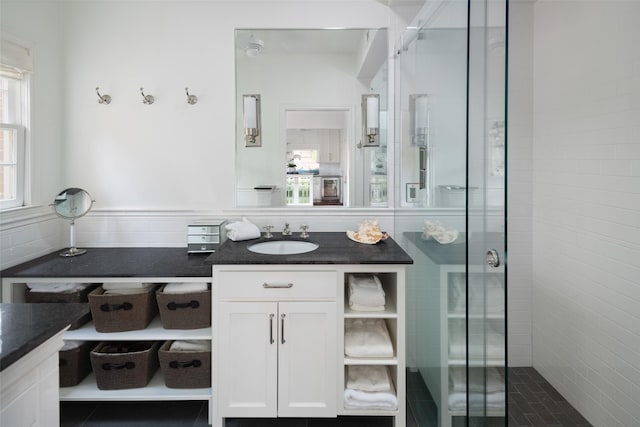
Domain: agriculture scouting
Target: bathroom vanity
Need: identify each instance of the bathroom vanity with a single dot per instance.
(281, 327)
(31, 336)
(278, 321)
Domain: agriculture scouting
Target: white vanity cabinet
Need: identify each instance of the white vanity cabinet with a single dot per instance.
(277, 337)
(279, 331)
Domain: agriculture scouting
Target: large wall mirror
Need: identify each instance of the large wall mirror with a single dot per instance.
(301, 140)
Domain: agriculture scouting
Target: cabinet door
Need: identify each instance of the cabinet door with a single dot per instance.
(248, 352)
(307, 359)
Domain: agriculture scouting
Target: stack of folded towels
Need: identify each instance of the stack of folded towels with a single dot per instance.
(190, 345)
(369, 387)
(489, 392)
(366, 293)
(242, 230)
(127, 288)
(62, 288)
(184, 288)
(367, 338)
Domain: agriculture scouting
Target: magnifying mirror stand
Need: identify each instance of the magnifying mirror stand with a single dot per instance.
(72, 251)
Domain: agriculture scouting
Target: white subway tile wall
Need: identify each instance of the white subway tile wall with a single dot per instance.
(586, 215)
(23, 242)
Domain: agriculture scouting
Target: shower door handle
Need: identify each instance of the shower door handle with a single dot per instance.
(493, 258)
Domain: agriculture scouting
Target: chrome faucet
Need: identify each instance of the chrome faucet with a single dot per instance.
(304, 233)
(286, 231)
(267, 233)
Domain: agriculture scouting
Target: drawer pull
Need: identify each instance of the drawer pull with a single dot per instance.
(277, 285)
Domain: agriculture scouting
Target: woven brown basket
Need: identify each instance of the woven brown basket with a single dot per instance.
(62, 297)
(127, 312)
(120, 365)
(185, 369)
(184, 311)
(75, 364)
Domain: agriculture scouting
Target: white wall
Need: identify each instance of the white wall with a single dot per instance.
(519, 184)
(36, 231)
(586, 188)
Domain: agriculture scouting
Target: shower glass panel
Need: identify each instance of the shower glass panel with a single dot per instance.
(450, 115)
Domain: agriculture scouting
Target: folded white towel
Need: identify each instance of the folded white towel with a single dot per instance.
(127, 291)
(494, 381)
(126, 285)
(494, 348)
(368, 378)
(495, 401)
(365, 289)
(190, 345)
(358, 307)
(358, 399)
(367, 338)
(71, 344)
(183, 288)
(242, 230)
(57, 287)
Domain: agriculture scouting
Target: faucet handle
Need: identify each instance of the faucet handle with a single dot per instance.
(267, 229)
(304, 233)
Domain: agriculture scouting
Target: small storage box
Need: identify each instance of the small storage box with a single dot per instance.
(80, 296)
(185, 369)
(75, 364)
(122, 312)
(190, 310)
(120, 365)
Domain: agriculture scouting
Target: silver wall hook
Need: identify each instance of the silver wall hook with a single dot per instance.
(191, 99)
(147, 99)
(103, 99)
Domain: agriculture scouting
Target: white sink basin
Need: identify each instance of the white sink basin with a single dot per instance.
(282, 247)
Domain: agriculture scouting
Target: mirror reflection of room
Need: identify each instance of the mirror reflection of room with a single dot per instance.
(311, 84)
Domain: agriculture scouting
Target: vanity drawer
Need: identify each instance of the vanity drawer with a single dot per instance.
(277, 284)
(204, 238)
(204, 229)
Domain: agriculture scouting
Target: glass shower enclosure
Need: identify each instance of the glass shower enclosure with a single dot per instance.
(451, 114)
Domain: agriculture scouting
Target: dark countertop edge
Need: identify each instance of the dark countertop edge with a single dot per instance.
(75, 311)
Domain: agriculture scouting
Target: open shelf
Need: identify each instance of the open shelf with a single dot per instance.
(390, 312)
(153, 332)
(371, 361)
(87, 390)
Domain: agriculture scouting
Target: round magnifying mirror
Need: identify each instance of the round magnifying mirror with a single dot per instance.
(70, 204)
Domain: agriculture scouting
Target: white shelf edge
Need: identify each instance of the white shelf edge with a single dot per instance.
(371, 361)
(153, 332)
(369, 412)
(87, 390)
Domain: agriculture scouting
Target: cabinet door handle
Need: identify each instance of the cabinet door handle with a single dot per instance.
(271, 328)
(277, 285)
(282, 340)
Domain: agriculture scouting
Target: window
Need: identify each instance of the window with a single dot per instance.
(14, 85)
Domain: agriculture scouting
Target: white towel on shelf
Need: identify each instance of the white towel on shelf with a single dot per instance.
(126, 285)
(71, 344)
(57, 287)
(367, 338)
(124, 291)
(365, 290)
(184, 288)
(458, 400)
(494, 381)
(368, 378)
(358, 307)
(242, 230)
(190, 345)
(358, 399)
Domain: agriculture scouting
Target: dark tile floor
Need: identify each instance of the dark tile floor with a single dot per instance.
(533, 402)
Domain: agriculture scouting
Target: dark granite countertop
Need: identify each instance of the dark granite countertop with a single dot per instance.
(455, 253)
(25, 326)
(334, 248)
(116, 262)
